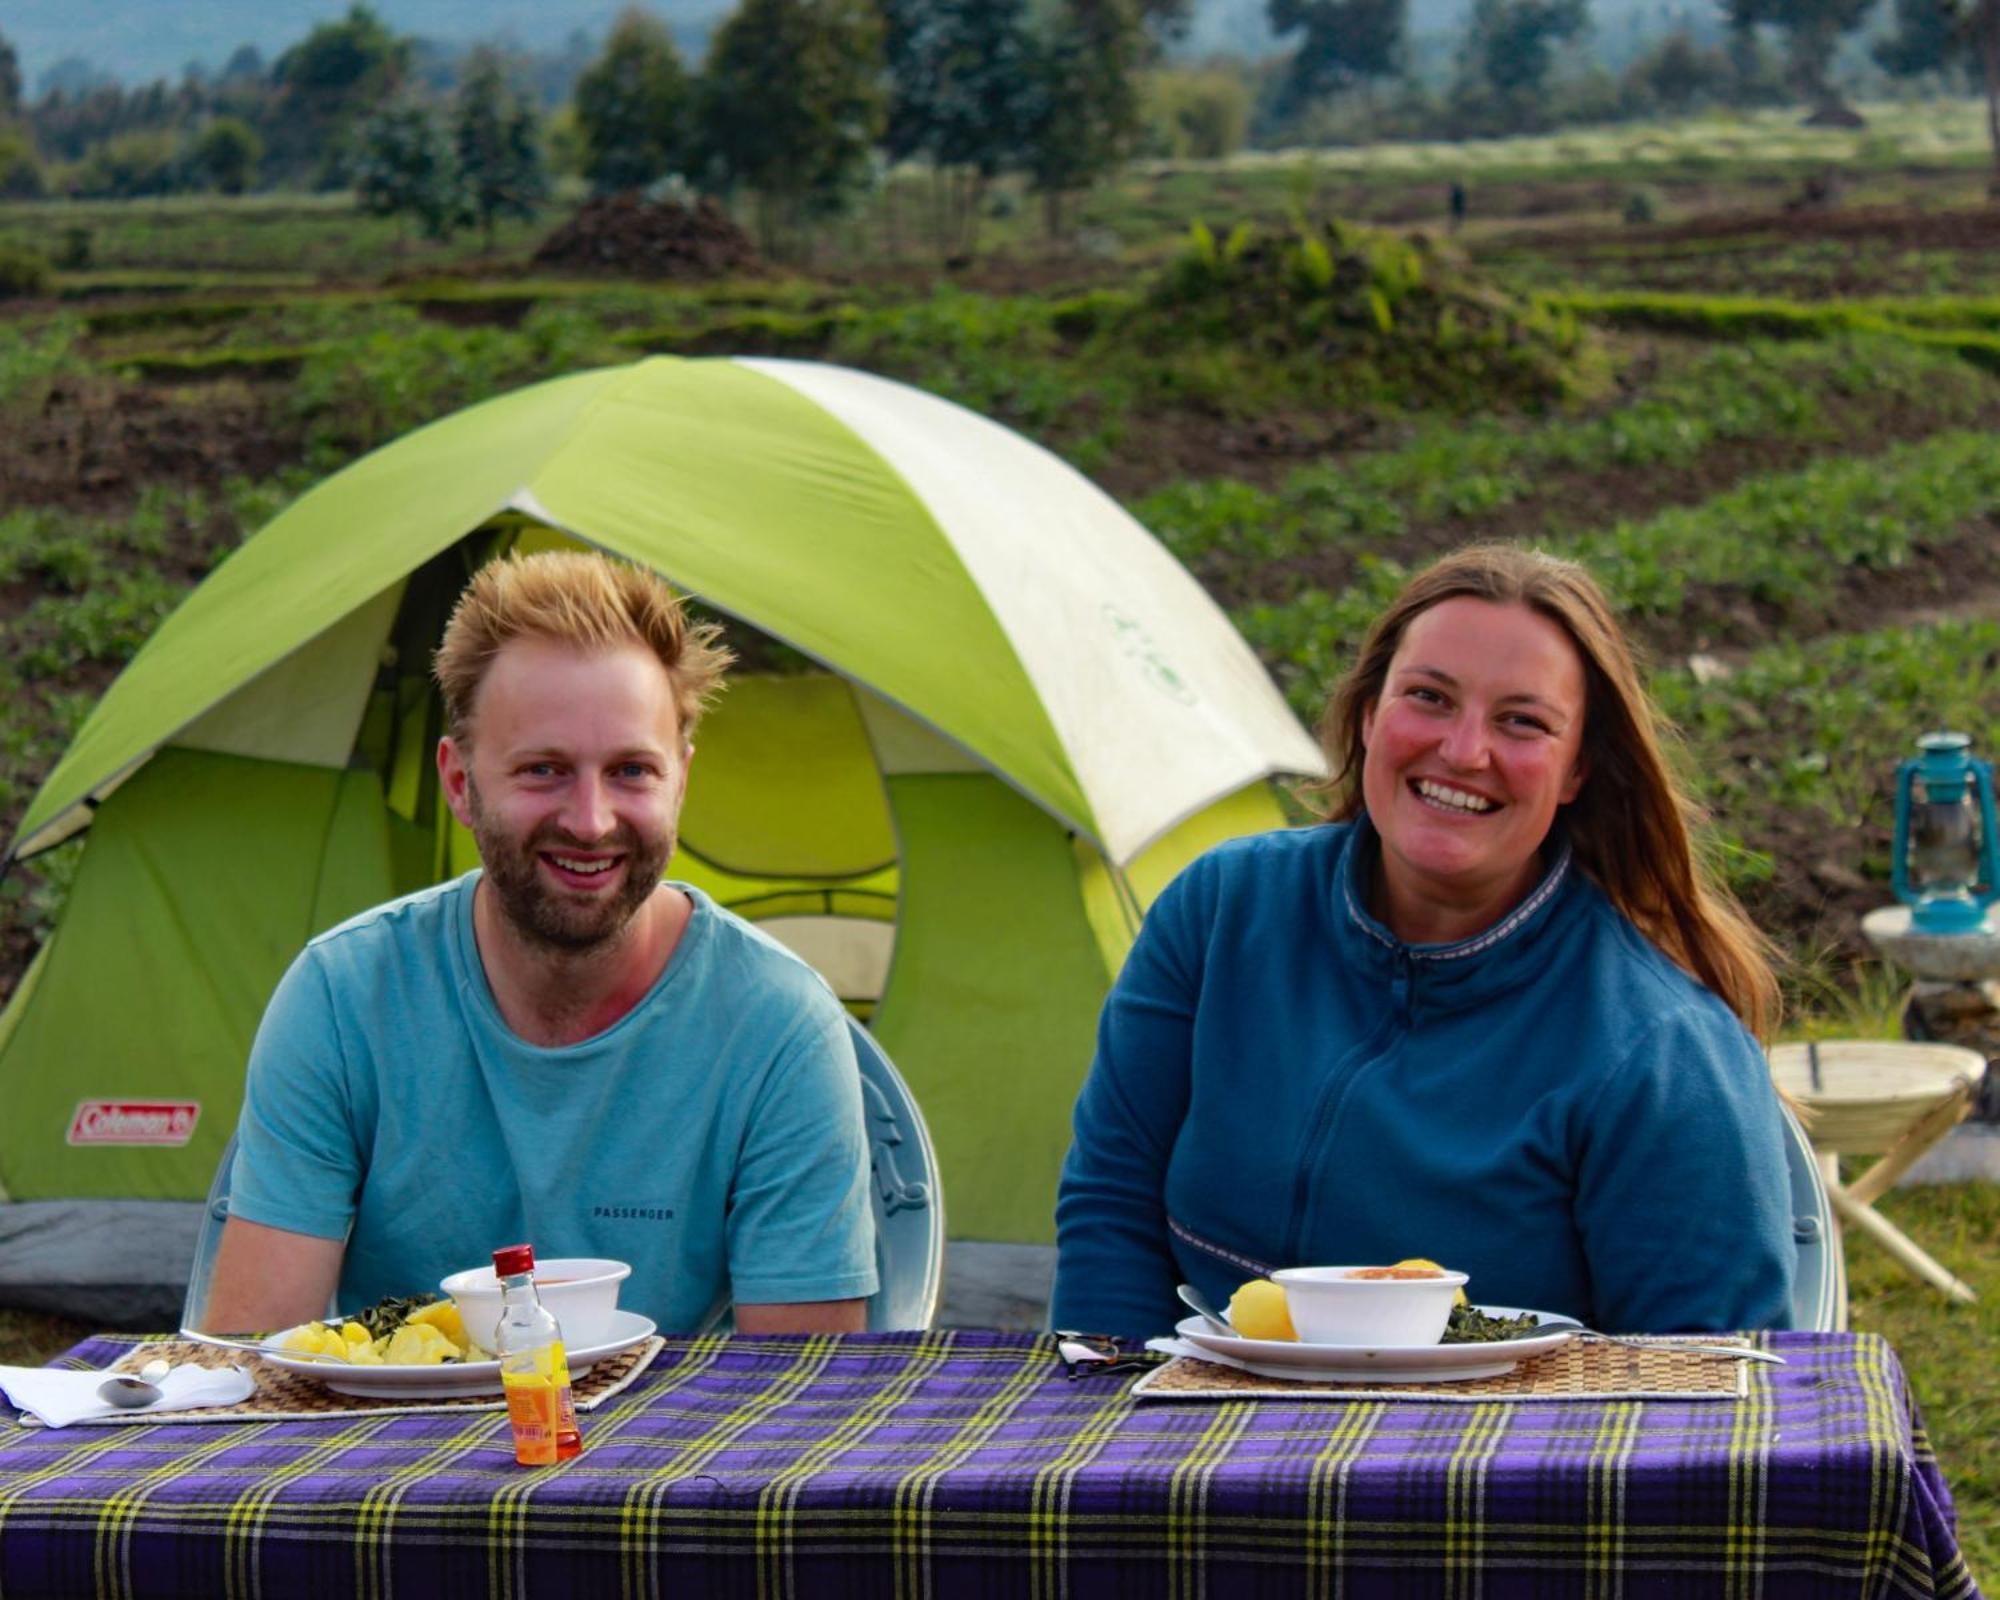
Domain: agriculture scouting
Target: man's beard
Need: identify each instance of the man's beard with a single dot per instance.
(543, 915)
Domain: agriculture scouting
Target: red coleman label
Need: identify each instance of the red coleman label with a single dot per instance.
(134, 1121)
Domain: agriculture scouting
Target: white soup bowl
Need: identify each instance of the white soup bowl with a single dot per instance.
(1331, 1305)
(581, 1292)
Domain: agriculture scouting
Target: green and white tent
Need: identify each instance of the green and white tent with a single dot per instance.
(1023, 717)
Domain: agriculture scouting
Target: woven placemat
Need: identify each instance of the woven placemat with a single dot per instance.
(1576, 1371)
(291, 1396)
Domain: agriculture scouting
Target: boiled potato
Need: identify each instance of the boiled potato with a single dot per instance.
(314, 1339)
(1258, 1311)
(443, 1316)
(1432, 1266)
(418, 1344)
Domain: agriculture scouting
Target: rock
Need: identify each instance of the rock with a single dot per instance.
(1838, 879)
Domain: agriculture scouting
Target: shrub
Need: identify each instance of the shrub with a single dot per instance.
(131, 165)
(21, 176)
(1642, 205)
(23, 271)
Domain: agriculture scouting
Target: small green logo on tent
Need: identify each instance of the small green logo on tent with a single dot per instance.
(1138, 645)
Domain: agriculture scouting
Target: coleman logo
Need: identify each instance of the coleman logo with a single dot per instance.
(134, 1121)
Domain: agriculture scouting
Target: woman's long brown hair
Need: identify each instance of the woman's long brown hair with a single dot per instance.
(1631, 825)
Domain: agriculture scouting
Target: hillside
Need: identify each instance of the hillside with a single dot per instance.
(138, 40)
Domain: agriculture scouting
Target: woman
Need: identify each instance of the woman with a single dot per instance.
(1493, 1014)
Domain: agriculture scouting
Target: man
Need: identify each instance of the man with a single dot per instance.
(558, 1047)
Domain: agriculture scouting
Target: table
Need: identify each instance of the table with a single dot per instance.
(953, 1464)
(1886, 1098)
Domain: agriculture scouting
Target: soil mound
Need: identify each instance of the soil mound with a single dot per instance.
(1405, 317)
(657, 239)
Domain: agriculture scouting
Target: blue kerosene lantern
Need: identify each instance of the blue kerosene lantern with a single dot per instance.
(1945, 868)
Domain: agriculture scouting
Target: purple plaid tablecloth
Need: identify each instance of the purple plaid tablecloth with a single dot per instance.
(963, 1464)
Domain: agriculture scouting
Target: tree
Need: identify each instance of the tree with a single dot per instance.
(791, 104)
(1344, 42)
(328, 84)
(245, 65)
(1938, 35)
(1928, 38)
(960, 98)
(10, 82)
(1676, 74)
(1812, 30)
(1982, 27)
(405, 166)
(497, 140)
(632, 105)
(1197, 113)
(21, 175)
(1086, 114)
(228, 151)
(1514, 42)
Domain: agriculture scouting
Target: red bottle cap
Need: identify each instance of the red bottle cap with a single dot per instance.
(514, 1259)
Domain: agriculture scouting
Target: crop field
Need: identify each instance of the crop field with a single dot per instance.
(1766, 420)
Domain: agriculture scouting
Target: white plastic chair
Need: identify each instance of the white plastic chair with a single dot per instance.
(1819, 1285)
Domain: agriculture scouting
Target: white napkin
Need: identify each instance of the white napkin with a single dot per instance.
(58, 1397)
(1182, 1347)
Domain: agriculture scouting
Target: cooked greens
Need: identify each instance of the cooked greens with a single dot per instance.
(1470, 1325)
(388, 1314)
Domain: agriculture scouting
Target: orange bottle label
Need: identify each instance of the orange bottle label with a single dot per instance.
(542, 1410)
(534, 1407)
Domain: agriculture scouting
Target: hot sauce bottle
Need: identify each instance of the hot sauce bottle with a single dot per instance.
(533, 1370)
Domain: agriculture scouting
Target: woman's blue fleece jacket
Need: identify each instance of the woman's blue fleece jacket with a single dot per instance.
(1552, 1106)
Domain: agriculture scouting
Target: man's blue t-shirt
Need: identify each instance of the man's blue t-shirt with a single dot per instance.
(712, 1136)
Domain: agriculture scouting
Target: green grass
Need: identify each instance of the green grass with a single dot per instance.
(1758, 390)
(1936, 132)
(213, 238)
(1784, 541)
(1947, 1349)
(29, 1338)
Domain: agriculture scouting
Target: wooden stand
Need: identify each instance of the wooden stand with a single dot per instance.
(1869, 1097)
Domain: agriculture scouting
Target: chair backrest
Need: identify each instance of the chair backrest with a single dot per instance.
(907, 1198)
(1819, 1287)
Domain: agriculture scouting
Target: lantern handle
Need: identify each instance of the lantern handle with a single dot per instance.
(1989, 846)
(1899, 872)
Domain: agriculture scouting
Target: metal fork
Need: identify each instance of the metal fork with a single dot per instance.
(1666, 1342)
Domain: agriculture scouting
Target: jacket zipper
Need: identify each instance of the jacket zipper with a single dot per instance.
(1340, 1083)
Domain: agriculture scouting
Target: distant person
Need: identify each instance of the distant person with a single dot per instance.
(1493, 1014)
(1457, 205)
(558, 1046)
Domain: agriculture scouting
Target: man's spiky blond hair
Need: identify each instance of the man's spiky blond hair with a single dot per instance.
(582, 599)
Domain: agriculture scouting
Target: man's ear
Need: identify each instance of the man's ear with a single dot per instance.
(454, 776)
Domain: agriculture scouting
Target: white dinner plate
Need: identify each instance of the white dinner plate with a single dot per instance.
(452, 1379)
(1402, 1363)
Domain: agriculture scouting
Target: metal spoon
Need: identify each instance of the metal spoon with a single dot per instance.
(1195, 1300)
(123, 1389)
